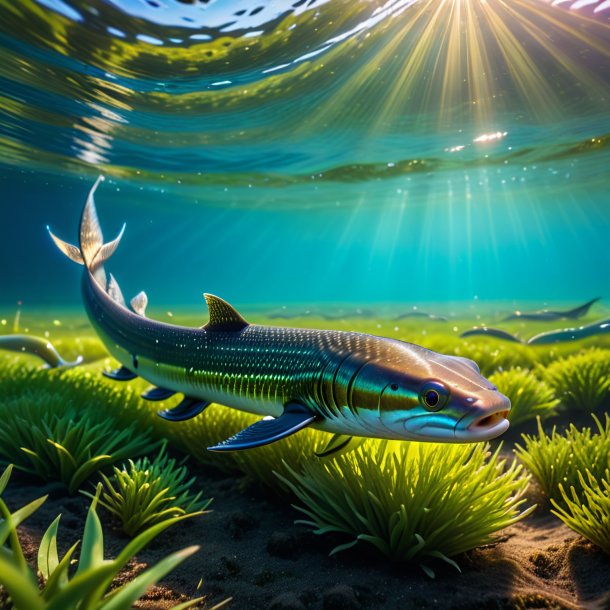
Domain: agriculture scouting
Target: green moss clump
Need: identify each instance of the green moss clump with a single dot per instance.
(69, 446)
(264, 463)
(558, 458)
(145, 492)
(412, 501)
(581, 381)
(587, 509)
(66, 425)
(529, 396)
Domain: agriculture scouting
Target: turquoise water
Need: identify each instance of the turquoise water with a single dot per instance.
(405, 153)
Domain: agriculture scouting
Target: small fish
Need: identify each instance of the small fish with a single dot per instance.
(547, 315)
(346, 383)
(564, 335)
(491, 332)
(36, 346)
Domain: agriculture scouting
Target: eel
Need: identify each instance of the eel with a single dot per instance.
(346, 383)
(491, 332)
(563, 335)
(547, 315)
(36, 346)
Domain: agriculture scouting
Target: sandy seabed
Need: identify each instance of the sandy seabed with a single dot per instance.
(252, 552)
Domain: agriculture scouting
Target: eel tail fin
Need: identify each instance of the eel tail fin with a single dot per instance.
(92, 251)
(582, 310)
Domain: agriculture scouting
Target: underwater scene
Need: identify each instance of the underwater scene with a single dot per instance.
(304, 304)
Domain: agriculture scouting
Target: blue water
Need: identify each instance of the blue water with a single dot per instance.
(399, 152)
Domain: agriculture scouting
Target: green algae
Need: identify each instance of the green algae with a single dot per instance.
(65, 588)
(144, 492)
(558, 459)
(412, 501)
(586, 508)
(529, 396)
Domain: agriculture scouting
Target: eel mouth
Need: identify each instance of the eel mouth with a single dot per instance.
(489, 425)
(489, 421)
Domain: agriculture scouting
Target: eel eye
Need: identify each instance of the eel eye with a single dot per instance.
(433, 396)
(394, 387)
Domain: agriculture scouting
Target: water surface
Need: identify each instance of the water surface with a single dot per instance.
(400, 152)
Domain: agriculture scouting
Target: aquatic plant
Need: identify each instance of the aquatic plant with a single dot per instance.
(581, 381)
(63, 425)
(67, 446)
(263, 464)
(412, 501)
(145, 492)
(529, 396)
(88, 586)
(587, 510)
(558, 458)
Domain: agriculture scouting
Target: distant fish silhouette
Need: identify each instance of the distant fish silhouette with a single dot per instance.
(491, 332)
(36, 346)
(572, 334)
(421, 314)
(550, 316)
(561, 335)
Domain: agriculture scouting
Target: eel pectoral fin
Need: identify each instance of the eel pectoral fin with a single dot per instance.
(187, 409)
(155, 394)
(120, 374)
(294, 418)
(223, 317)
(340, 443)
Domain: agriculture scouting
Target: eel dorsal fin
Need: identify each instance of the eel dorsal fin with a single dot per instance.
(223, 317)
(114, 291)
(139, 303)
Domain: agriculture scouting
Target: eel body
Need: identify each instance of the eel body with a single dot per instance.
(36, 346)
(350, 384)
